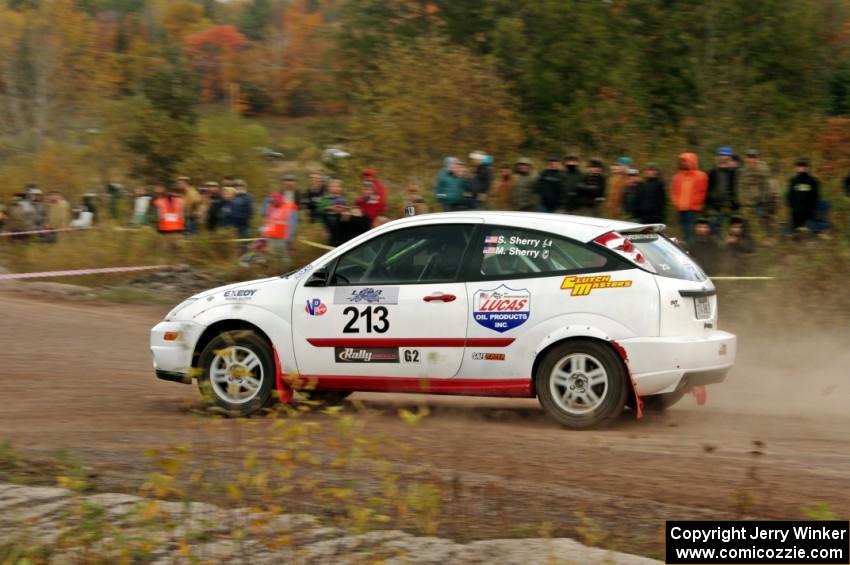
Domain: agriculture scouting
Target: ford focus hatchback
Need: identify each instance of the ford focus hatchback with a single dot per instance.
(588, 315)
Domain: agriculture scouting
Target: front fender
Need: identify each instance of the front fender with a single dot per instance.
(274, 326)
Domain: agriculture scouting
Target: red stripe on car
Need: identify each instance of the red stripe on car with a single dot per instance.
(412, 342)
(515, 387)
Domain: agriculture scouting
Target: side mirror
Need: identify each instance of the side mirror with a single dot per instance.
(318, 278)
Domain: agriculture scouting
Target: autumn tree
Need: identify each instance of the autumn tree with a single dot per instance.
(427, 100)
(214, 55)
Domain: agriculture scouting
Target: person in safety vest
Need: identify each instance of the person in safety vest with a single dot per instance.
(280, 224)
(170, 213)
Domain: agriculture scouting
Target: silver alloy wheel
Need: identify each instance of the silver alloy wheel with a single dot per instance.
(236, 374)
(578, 383)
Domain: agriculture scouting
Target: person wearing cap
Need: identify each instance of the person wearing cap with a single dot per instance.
(613, 201)
(590, 192)
(572, 178)
(550, 185)
(688, 193)
(481, 179)
(756, 187)
(629, 196)
(523, 198)
(243, 209)
(803, 196)
(722, 196)
(651, 201)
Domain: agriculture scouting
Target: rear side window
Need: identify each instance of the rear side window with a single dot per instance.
(515, 253)
(666, 257)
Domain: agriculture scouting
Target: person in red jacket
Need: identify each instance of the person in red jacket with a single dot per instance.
(369, 203)
(688, 193)
(378, 188)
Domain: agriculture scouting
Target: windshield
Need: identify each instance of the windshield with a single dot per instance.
(667, 258)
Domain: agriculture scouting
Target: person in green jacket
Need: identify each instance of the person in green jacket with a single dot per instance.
(450, 185)
(523, 197)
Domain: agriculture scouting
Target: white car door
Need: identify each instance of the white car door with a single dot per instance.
(392, 307)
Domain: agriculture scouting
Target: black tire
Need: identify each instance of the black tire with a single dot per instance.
(597, 355)
(329, 397)
(661, 402)
(242, 341)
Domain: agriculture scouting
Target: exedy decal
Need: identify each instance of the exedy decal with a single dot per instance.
(581, 286)
(502, 308)
(239, 294)
(366, 354)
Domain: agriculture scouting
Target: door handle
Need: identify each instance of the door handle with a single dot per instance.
(440, 297)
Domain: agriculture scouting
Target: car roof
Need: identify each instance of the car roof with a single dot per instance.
(581, 228)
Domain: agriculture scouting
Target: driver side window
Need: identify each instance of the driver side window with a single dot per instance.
(423, 254)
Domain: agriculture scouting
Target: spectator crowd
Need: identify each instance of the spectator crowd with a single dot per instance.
(715, 210)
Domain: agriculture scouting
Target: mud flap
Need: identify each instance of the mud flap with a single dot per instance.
(625, 357)
(284, 392)
(700, 393)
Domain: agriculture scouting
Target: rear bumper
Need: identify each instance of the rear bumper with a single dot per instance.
(664, 364)
(172, 360)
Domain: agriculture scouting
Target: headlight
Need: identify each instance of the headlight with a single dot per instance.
(179, 307)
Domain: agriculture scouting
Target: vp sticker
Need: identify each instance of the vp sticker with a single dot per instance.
(315, 307)
(366, 295)
(502, 309)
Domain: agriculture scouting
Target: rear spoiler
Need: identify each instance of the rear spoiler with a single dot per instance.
(645, 228)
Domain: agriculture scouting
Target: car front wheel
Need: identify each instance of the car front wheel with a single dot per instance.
(582, 384)
(237, 372)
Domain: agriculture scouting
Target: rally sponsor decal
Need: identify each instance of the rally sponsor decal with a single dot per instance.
(366, 295)
(244, 294)
(502, 309)
(315, 307)
(581, 286)
(366, 354)
(298, 275)
(481, 356)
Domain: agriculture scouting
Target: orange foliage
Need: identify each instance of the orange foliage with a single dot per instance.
(215, 54)
(834, 147)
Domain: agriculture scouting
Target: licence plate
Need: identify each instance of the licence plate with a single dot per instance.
(702, 305)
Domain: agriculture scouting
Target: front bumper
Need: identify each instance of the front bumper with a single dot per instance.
(172, 360)
(663, 364)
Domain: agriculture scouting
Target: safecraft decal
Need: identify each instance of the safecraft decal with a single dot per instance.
(244, 294)
(581, 286)
(502, 309)
(366, 295)
(315, 307)
(477, 356)
(366, 354)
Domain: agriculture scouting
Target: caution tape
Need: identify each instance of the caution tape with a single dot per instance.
(742, 278)
(315, 244)
(79, 272)
(30, 232)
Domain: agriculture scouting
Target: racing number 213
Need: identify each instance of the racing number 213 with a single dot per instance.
(381, 322)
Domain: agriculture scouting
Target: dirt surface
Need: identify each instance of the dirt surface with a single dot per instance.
(771, 442)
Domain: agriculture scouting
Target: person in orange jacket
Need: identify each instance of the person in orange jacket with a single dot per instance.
(170, 213)
(280, 224)
(688, 193)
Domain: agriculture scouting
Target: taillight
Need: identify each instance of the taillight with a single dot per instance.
(624, 248)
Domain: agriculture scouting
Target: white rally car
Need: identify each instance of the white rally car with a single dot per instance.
(586, 314)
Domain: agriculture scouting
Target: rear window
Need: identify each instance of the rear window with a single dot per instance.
(666, 257)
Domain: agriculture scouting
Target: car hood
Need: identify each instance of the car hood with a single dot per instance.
(235, 286)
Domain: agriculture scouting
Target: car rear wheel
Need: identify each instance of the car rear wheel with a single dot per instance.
(582, 384)
(237, 372)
